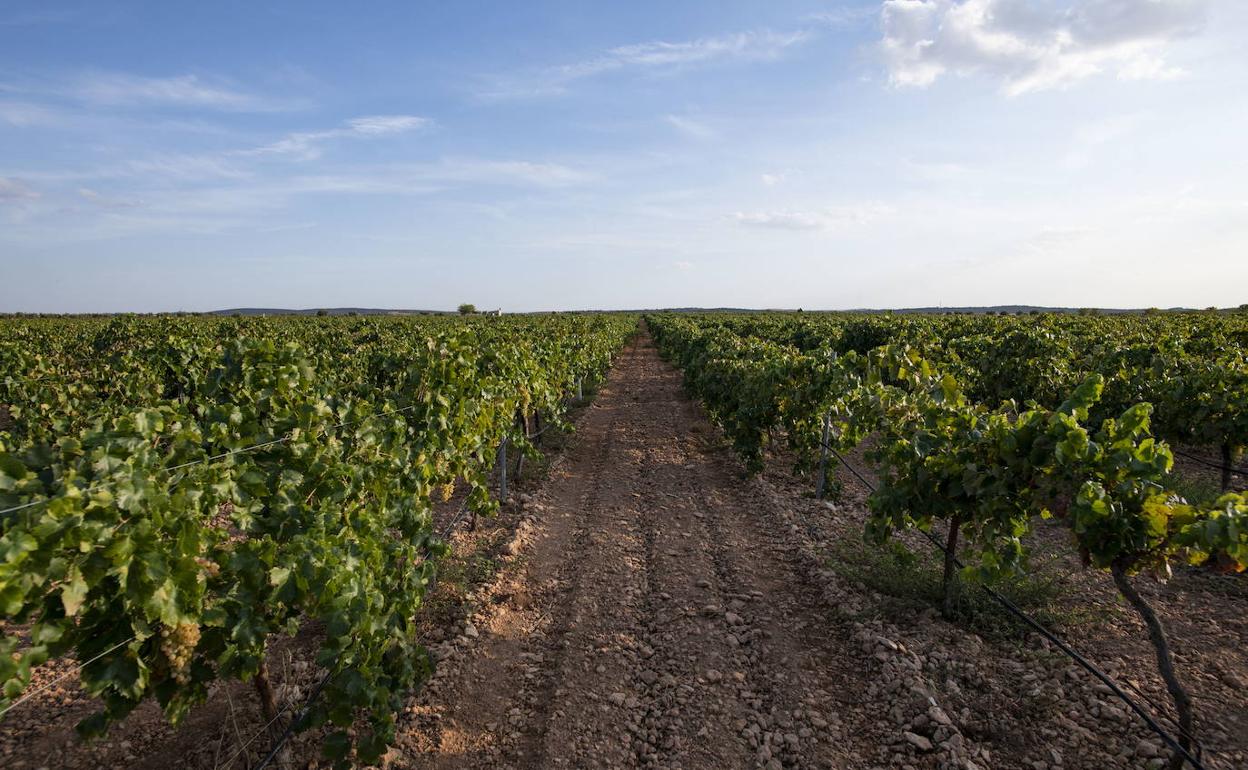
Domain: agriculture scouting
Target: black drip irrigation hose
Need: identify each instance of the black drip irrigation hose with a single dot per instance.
(1039, 628)
(1217, 466)
(294, 723)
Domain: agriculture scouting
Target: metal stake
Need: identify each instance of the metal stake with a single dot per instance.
(502, 470)
(823, 456)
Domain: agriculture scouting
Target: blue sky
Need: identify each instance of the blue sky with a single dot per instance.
(562, 155)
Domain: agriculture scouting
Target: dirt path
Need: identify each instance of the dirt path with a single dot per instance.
(655, 618)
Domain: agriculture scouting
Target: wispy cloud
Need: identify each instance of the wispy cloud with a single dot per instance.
(306, 144)
(1090, 139)
(206, 195)
(510, 172)
(1030, 46)
(13, 190)
(423, 178)
(844, 16)
(829, 218)
(26, 114)
(654, 56)
(97, 198)
(180, 167)
(1054, 239)
(123, 89)
(690, 127)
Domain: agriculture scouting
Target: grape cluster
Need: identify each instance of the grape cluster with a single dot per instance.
(447, 490)
(210, 567)
(178, 644)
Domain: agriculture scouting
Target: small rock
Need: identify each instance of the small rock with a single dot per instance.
(918, 741)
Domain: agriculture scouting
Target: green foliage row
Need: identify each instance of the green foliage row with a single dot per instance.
(1191, 367)
(202, 484)
(943, 455)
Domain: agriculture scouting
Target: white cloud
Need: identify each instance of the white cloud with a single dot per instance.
(306, 144)
(25, 114)
(753, 45)
(771, 180)
(1089, 139)
(183, 167)
(1055, 240)
(683, 265)
(13, 190)
(105, 201)
(818, 219)
(208, 198)
(379, 125)
(781, 220)
(843, 16)
(509, 172)
(119, 89)
(426, 178)
(690, 127)
(1031, 46)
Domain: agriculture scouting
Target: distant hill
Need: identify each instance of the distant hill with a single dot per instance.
(328, 311)
(993, 309)
(985, 309)
(997, 309)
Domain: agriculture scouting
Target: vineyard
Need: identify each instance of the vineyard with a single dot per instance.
(178, 495)
(986, 425)
(174, 492)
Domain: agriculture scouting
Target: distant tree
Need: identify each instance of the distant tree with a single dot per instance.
(1089, 311)
(467, 308)
(322, 311)
(1243, 308)
(1153, 311)
(353, 313)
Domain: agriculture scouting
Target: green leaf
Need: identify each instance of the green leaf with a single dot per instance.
(74, 592)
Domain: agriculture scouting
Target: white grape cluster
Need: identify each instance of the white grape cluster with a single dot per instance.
(178, 644)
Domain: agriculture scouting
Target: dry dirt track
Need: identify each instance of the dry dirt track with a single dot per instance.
(658, 616)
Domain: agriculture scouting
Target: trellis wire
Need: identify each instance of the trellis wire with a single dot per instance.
(1037, 626)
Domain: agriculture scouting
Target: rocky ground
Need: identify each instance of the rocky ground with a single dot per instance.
(646, 605)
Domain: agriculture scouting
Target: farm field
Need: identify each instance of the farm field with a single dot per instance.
(662, 588)
(807, 385)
